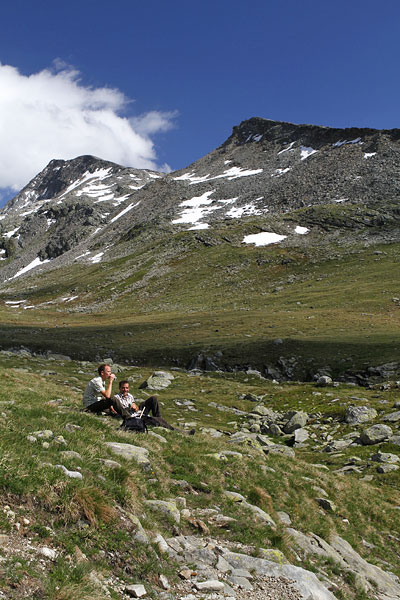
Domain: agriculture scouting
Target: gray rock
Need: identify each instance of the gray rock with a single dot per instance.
(70, 474)
(110, 464)
(279, 449)
(337, 445)
(284, 517)
(240, 582)
(385, 457)
(387, 468)
(301, 435)
(159, 380)
(165, 507)
(140, 535)
(48, 552)
(298, 420)
(375, 434)
(359, 414)
(395, 439)
(212, 585)
(158, 437)
(71, 454)
(45, 434)
(261, 410)
(324, 380)
(130, 452)
(136, 591)
(304, 582)
(392, 417)
(273, 430)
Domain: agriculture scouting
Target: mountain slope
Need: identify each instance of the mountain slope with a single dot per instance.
(284, 232)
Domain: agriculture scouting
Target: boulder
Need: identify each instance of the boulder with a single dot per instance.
(375, 434)
(298, 420)
(385, 457)
(359, 414)
(324, 381)
(392, 417)
(130, 452)
(159, 380)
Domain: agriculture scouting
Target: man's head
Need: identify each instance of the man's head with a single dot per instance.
(104, 371)
(124, 387)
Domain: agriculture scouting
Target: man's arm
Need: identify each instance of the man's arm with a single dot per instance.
(134, 406)
(107, 392)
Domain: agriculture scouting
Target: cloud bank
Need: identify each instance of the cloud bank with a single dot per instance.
(51, 114)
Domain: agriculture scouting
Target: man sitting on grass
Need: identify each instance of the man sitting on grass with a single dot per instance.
(125, 405)
(97, 395)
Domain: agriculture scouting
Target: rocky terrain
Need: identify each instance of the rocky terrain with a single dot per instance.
(287, 492)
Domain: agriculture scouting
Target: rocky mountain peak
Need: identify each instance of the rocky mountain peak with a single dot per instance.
(256, 129)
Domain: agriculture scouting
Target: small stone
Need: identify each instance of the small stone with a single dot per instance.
(211, 585)
(47, 552)
(136, 591)
(185, 574)
(164, 582)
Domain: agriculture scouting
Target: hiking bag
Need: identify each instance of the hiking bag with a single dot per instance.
(137, 424)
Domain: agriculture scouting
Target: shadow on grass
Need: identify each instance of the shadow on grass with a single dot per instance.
(165, 343)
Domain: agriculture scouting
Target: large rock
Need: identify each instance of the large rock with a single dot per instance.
(392, 417)
(305, 583)
(375, 434)
(159, 380)
(298, 420)
(130, 452)
(385, 457)
(359, 414)
(372, 578)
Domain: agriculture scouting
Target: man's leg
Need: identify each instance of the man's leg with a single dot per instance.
(151, 405)
(121, 410)
(99, 406)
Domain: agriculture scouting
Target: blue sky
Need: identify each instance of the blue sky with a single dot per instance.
(186, 73)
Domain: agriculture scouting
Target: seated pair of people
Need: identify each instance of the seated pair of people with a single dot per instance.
(98, 397)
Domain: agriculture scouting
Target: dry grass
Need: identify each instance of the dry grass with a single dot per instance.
(91, 503)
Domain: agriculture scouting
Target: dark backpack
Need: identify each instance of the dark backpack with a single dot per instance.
(136, 424)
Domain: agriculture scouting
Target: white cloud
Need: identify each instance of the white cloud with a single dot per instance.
(153, 122)
(51, 114)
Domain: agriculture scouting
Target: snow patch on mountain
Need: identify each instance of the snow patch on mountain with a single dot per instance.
(123, 212)
(344, 142)
(306, 151)
(301, 230)
(230, 174)
(35, 263)
(94, 189)
(246, 210)
(263, 239)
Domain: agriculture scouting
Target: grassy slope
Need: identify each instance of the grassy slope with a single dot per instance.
(163, 304)
(68, 514)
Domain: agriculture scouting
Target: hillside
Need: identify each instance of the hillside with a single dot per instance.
(287, 491)
(276, 251)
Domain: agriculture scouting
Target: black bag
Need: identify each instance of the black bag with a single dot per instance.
(137, 424)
